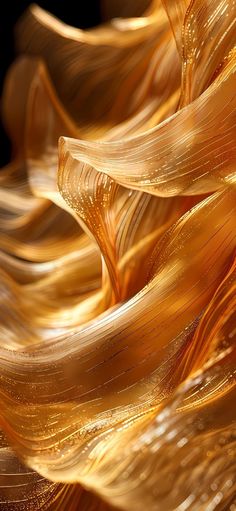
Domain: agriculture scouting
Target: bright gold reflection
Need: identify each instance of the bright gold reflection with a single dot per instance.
(118, 262)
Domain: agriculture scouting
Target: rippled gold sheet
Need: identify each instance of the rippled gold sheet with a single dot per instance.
(117, 262)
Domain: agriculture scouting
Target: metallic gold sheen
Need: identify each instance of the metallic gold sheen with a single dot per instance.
(118, 261)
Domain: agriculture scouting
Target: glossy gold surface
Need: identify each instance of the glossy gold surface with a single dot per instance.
(117, 262)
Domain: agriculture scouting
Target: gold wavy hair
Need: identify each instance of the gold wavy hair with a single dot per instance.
(117, 262)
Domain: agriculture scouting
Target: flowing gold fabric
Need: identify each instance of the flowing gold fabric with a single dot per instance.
(118, 262)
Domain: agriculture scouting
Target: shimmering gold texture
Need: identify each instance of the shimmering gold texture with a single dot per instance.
(118, 262)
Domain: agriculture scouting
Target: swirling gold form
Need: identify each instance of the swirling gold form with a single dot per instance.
(117, 265)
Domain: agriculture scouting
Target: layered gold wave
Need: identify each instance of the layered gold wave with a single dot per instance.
(118, 262)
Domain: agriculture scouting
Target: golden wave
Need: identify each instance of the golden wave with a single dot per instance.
(117, 262)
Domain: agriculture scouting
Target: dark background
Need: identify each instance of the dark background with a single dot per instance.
(80, 13)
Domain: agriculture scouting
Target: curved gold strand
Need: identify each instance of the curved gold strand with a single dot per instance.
(21, 487)
(183, 155)
(156, 460)
(176, 11)
(96, 57)
(213, 22)
(86, 372)
(90, 392)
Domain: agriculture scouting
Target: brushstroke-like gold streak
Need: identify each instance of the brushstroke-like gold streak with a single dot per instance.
(118, 262)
